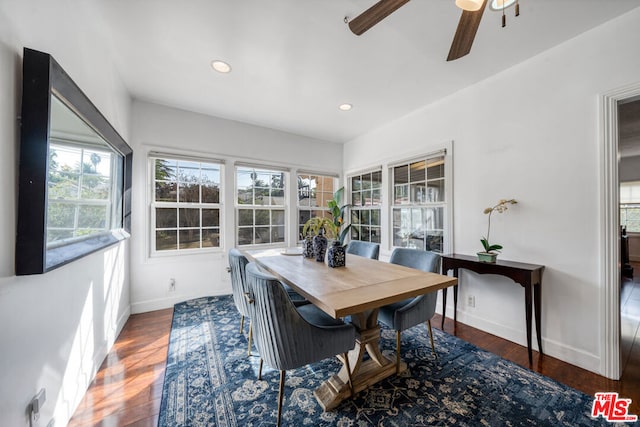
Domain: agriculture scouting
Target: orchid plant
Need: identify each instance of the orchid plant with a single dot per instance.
(503, 205)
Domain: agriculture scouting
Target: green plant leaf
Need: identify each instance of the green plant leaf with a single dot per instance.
(489, 248)
(315, 224)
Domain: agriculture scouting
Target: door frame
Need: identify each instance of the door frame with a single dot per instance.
(610, 362)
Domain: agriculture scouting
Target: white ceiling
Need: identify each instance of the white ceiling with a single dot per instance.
(295, 61)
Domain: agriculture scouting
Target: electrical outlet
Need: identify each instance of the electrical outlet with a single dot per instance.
(36, 404)
(172, 285)
(471, 301)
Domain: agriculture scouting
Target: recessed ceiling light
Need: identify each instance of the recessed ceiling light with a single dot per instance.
(220, 66)
(500, 4)
(345, 107)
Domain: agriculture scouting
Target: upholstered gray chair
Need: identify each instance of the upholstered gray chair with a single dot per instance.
(411, 311)
(364, 249)
(237, 265)
(289, 337)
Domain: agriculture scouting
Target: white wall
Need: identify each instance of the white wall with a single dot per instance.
(529, 133)
(57, 327)
(629, 169)
(159, 128)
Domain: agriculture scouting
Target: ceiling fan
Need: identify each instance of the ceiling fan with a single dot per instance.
(465, 33)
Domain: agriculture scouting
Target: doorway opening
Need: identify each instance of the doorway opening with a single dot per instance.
(629, 199)
(611, 357)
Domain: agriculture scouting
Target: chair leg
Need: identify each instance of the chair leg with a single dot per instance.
(433, 347)
(241, 323)
(346, 363)
(280, 395)
(250, 335)
(398, 334)
(260, 370)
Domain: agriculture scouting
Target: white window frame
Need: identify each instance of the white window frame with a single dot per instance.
(368, 207)
(78, 201)
(254, 207)
(629, 200)
(154, 252)
(446, 203)
(312, 209)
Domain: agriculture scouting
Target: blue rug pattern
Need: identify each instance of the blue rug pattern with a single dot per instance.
(210, 381)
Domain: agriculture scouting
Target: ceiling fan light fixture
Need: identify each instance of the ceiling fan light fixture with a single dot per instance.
(470, 5)
(221, 66)
(501, 4)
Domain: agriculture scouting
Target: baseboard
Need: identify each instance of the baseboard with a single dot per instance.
(122, 320)
(568, 354)
(634, 258)
(105, 348)
(97, 358)
(164, 303)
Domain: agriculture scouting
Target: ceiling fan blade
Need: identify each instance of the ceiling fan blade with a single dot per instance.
(465, 33)
(373, 15)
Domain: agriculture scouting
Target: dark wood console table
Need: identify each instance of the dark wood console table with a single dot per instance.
(527, 275)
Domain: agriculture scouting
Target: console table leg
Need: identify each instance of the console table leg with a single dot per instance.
(444, 307)
(527, 302)
(537, 301)
(455, 305)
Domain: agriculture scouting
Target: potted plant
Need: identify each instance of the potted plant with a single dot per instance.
(331, 227)
(490, 252)
(337, 253)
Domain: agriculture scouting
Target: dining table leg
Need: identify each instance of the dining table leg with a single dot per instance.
(364, 373)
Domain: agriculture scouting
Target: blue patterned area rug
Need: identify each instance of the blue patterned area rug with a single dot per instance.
(210, 381)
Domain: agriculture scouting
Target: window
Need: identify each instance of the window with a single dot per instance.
(419, 203)
(80, 191)
(313, 193)
(260, 206)
(630, 206)
(186, 204)
(366, 203)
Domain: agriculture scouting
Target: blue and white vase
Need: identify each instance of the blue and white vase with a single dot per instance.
(307, 247)
(320, 247)
(336, 256)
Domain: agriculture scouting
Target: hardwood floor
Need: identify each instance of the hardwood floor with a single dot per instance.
(128, 388)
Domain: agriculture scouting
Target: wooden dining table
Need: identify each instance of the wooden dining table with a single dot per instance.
(357, 290)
